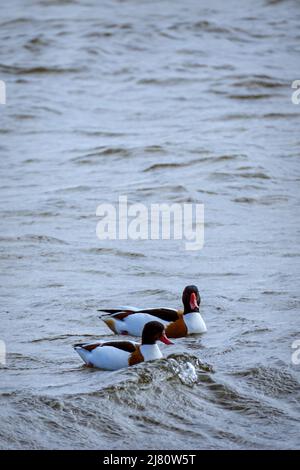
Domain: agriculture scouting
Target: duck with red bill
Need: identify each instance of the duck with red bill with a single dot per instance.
(178, 323)
(113, 355)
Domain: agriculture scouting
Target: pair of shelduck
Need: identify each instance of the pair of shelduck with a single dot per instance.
(153, 324)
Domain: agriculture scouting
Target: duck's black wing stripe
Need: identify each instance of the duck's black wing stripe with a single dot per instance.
(124, 345)
(167, 314)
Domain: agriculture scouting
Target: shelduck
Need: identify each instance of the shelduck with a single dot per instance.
(131, 321)
(113, 355)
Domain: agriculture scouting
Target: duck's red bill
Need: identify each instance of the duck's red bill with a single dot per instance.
(165, 339)
(193, 301)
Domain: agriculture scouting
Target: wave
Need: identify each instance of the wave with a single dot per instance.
(155, 397)
(260, 81)
(114, 251)
(271, 381)
(34, 239)
(38, 70)
(265, 200)
(168, 166)
(254, 96)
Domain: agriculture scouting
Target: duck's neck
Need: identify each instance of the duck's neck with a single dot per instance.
(188, 310)
(150, 351)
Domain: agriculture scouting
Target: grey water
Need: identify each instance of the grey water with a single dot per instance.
(162, 101)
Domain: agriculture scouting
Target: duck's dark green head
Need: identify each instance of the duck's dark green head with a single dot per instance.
(154, 331)
(191, 299)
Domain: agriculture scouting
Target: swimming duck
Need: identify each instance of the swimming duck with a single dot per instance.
(113, 355)
(131, 321)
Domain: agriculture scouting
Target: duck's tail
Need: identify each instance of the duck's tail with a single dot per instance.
(110, 322)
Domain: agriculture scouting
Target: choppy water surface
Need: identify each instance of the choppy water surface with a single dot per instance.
(163, 102)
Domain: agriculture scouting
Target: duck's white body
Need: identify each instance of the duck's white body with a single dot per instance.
(113, 358)
(104, 357)
(133, 324)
